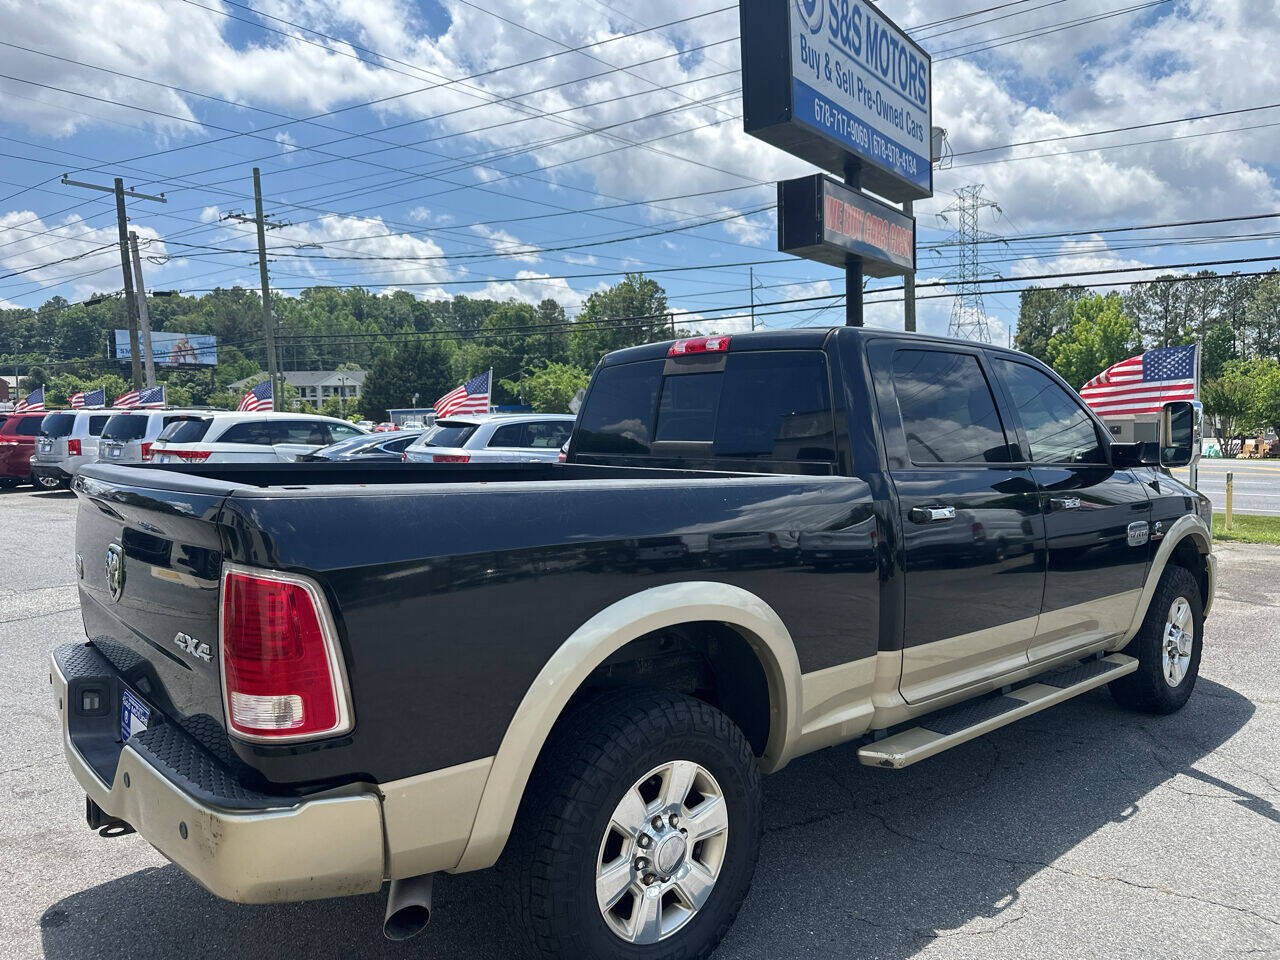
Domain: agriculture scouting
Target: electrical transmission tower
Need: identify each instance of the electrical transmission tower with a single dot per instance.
(968, 313)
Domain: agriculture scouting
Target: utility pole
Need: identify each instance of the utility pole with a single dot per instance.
(144, 317)
(122, 223)
(751, 274)
(968, 312)
(268, 321)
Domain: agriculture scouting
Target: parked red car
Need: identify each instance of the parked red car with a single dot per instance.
(17, 447)
(385, 427)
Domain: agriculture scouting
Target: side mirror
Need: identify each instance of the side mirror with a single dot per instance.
(1181, 428)
(1126, 455)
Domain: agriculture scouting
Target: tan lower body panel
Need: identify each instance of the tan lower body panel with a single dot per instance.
(429, 817)
(909, 746)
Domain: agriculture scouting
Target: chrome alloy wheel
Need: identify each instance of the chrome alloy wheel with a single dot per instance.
(1179, 632)
(662, 852)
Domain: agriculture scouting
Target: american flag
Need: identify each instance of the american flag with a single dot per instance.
(259, 398)
(149, 397)
(471, 397)
(1144, 383)
(31, 403)
(94, 398)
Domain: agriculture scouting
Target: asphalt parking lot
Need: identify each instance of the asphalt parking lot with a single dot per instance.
(1084, 831)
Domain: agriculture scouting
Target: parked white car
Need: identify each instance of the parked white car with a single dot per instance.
(262, 437)
(130, 434)
(68, 439)
(493, 437)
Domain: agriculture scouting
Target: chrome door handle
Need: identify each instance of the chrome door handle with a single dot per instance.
(932, 514)
(1065, 503)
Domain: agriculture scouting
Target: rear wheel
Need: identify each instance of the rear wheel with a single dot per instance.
(639, 836)
(1167, 647)
(45, 482)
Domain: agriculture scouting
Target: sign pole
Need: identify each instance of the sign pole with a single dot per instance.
(853, 265)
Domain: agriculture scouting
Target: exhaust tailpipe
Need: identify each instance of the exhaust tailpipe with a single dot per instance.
(408, 907)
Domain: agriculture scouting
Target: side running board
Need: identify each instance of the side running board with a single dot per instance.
(953, 726)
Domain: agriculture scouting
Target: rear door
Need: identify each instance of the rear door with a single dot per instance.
(1096, 517)
(973, 536)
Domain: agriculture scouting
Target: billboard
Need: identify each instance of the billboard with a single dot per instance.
(821, 219)
(836, 83)
(174, 349)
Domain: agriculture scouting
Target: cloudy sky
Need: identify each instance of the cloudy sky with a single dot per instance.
(515, 149)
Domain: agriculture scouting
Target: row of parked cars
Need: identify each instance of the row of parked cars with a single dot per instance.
(47, 449)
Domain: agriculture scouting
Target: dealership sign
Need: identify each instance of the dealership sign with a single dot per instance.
(821, 219)
(835, 83)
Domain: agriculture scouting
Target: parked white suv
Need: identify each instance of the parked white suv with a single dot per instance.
(248, 437)
(492, 437)
(68, 439)
(130, 434)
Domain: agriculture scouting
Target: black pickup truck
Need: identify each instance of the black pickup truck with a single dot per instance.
(307, 680)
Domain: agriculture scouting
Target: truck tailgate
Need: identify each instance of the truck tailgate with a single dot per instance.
(148, 562)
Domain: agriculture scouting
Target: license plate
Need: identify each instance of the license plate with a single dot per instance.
(133, 715)
(162, 458)
(113, 451)
(44, 446)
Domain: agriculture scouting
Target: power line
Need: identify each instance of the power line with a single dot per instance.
(950, 54)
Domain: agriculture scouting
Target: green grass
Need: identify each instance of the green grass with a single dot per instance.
(1246, 528)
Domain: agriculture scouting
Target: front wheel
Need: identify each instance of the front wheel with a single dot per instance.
(640, 833)
(1167, 647)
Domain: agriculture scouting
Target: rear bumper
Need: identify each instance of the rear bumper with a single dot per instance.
(238, 844)
(51, 470)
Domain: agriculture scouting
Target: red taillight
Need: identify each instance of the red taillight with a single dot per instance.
(450, 458)
(195, 456)
(73, 448)
(146, 451)
(281, 673)
(404, 457)
(563, 458)
(698, 345)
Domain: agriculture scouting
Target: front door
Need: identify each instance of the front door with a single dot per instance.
(1096, 518)
(973, 535)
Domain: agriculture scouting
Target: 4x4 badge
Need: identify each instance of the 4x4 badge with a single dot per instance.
(193, 646)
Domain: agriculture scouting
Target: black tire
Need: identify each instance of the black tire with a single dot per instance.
(1147, 689)
(8, 483)
(597, 754)
(46, 483)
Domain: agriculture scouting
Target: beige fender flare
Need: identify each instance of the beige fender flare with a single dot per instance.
(1188, 526)
(593, 642)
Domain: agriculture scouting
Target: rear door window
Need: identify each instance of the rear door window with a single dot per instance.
(507, 436)
(549, 434)
(312, 432)
(27, 426)
(341, 431)
(254, 432)
(96, 423)
(948, 412)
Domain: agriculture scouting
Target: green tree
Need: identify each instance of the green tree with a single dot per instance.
(630, 312)
(1042, 315)
(550, 389)
(1229, 404)
(1217, 350)
(1263, 317)
(1100, 334)
(419, 366)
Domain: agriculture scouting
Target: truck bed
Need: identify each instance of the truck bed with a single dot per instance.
(451, 585)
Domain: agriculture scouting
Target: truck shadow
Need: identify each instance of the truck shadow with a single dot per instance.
(871, 862)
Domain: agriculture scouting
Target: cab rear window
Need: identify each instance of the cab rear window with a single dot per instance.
(767, 405)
